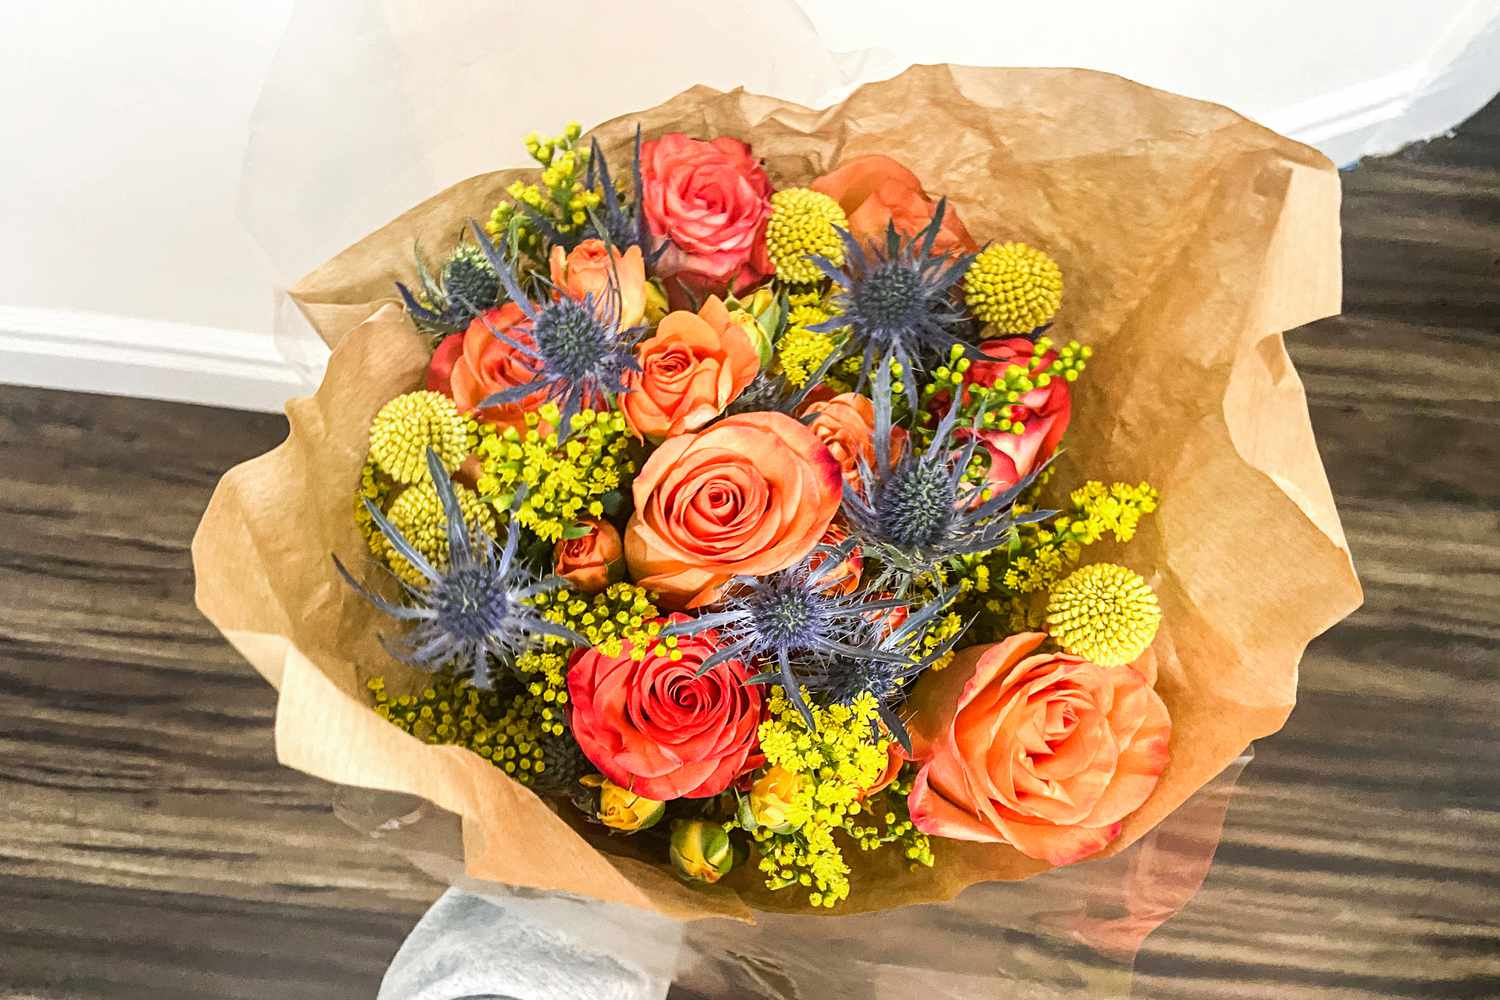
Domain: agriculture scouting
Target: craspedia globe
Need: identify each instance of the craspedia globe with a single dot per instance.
(418, 515)
(1104, 613)
(1013, 287)
(411, 423)
(804, 224)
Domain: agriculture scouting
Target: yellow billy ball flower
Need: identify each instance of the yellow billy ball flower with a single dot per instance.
(803, 223)
(418, 514)
(411, 423)
(1013, 287)
(1104, 613)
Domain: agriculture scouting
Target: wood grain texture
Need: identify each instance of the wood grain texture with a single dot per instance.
(151, 847)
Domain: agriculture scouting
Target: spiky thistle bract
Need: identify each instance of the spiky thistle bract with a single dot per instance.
(773, 391)
(474, 609)
(916, 512)
(579, 355)
(467, 285)
(897, 300)
(801, 631)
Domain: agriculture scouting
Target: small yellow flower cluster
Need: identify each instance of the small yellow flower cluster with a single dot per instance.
(563, 482)
(376, 487)
(1104, 613)
(804, 224)
(890, 823)
(840, 759)
(506, 730)
(1013, 287)
(622, 611)
(939, 632)
(801, 350)
(563, 197)
(418, 514)
(407, 426)
(1043, 553)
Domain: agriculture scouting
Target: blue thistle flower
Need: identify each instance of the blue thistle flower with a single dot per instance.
(917, 512)
(805, 633)
(474, 610)
(467, 286)
(897, 302)
(579, 355)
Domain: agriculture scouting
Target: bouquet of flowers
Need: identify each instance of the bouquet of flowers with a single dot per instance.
(727, 511)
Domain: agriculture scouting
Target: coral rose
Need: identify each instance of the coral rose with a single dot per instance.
(593, 561)
(1044, 411)
(590, 269)
(750, 495)
(440, 368)
(846, 424)
(1043, 751)
(707, 204)
(656, 728)
(691, 368)
(875, 190)
(492, 362)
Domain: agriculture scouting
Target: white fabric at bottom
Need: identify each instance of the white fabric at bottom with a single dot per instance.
(469, 947)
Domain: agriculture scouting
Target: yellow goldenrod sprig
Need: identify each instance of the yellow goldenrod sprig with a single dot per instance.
(827, 769)
(564, 482)
(563, 197)
(622, 612)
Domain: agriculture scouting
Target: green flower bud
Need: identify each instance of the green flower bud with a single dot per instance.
(701, 850)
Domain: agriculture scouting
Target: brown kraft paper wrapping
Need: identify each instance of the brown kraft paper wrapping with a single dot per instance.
(1189, 239)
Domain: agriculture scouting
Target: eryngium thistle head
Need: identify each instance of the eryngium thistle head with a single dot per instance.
(798, 629)
(468, 286)
(475, 609)
(469, 282)
(897, 301)
(579, 353)
(917, 512)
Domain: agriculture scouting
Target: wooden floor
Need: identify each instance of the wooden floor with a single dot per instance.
(150, 847)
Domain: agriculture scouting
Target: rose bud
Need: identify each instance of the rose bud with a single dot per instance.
(590, 561)
(701, 850)
(617, 281)
(770, 802)
(626, 811)
(760, 317)
(656, 303)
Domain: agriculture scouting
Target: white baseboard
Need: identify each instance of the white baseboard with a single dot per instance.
(155, 359)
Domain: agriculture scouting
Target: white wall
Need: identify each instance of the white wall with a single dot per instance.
(124, 265)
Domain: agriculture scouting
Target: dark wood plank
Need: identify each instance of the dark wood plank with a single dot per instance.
(151, 847)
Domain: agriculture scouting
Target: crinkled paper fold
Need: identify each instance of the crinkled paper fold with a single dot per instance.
(1190, 238)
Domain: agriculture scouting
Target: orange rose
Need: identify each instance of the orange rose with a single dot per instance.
(875, 190)
(1043, 751)
(691, 368)
(590, 562)
(749, 496)
(491, 364)
(846, 424)
(591, 270)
